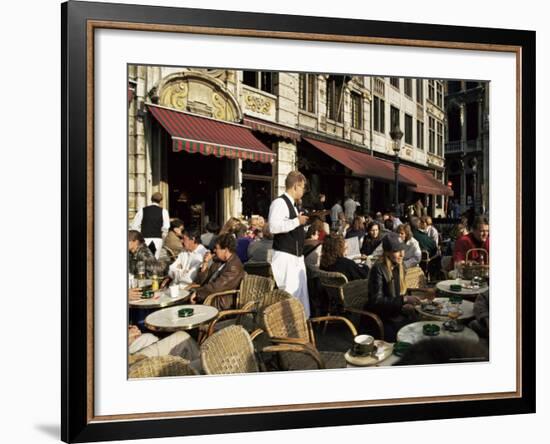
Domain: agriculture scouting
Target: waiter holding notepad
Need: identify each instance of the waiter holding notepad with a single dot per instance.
(286, 224)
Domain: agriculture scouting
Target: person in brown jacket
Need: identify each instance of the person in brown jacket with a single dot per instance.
(225, 273)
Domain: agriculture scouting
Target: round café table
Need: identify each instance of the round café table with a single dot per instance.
(445, 286)
(413, 333)
(167, 319)
(164, 300)
(466, 307)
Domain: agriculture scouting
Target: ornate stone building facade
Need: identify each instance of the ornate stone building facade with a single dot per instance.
(467, 144)
(219, 143)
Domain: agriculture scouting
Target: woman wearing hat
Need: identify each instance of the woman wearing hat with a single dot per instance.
(387, 288)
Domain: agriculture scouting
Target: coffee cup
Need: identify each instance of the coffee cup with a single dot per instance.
(363, 345)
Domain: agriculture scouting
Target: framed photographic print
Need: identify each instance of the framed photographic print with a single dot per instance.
(275, 222)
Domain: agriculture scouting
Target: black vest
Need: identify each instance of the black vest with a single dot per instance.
(151, 224)
(293, 241)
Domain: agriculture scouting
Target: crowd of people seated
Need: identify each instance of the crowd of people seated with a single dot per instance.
(213, 261)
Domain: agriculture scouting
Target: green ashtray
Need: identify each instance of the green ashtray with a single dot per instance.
(431, 329)
(455, 299)
(185, 312)
(147, 293)
(401, 347)
(455, 287)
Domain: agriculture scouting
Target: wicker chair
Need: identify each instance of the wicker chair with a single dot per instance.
(229, 350)
(285, 323)
(159, 366)
(352, 295)
(415, 278)
(251, 291)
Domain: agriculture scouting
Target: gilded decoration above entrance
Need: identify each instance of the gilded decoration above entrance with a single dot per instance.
(199, 93)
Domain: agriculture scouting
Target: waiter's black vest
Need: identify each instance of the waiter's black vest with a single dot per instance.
(293, 241)
(151, 224)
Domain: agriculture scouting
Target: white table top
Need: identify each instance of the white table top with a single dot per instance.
(161, 299)
(466, 307)
(446, 287)
(413, 333)
(167, 319)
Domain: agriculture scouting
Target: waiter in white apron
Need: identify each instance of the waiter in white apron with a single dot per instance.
(287, 226)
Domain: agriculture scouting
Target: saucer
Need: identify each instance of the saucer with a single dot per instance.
(456, 329)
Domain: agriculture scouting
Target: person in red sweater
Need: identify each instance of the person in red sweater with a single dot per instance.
(478, 238)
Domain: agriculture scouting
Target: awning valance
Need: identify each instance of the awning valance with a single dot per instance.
(274, 129)
(424, 181)
(362, 164)
(196, 134)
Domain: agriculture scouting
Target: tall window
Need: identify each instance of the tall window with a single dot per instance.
(431, 90)
(394, 118)
(394, 81)
(335, 98)
(420, 135)
(408, 87)
(262, 80)
(440, 139)
(356, 111)
(307, 92)
(439, 94)
(408, 129)
(420, 91)
(379, 115)
(431, 135)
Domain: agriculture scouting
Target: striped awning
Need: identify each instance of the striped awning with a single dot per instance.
(271, 128)
(197, 134)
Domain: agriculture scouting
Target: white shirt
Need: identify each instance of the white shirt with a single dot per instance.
(279, 217)
(335, 211)
(350, 206)
(187, 264)
(136, 223)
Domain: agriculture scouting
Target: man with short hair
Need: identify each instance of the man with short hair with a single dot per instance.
(224, 273)
(335, 214)
(185, 268)
(477, 238)
(153, 222)
(286, 224)
(350, 206)
(137, 251)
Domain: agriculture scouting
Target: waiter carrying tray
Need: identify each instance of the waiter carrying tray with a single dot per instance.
(287, 226)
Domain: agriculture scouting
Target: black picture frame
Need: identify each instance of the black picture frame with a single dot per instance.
(77, 422)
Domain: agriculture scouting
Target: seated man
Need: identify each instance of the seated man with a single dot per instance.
(225, 273)
(425, 242)
(478, 238)
(185, 268)
(137, 251)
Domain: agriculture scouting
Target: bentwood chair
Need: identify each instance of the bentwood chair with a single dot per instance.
(286, 324)
(353, 296)
(231, 350)
(253, 289)
(157, 366)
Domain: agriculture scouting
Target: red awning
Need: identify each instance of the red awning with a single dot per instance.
(362, 164)
(274, 129)
(196, 134)
(424, 181)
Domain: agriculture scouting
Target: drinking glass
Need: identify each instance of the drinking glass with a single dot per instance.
(140, 267)
(453, 314)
